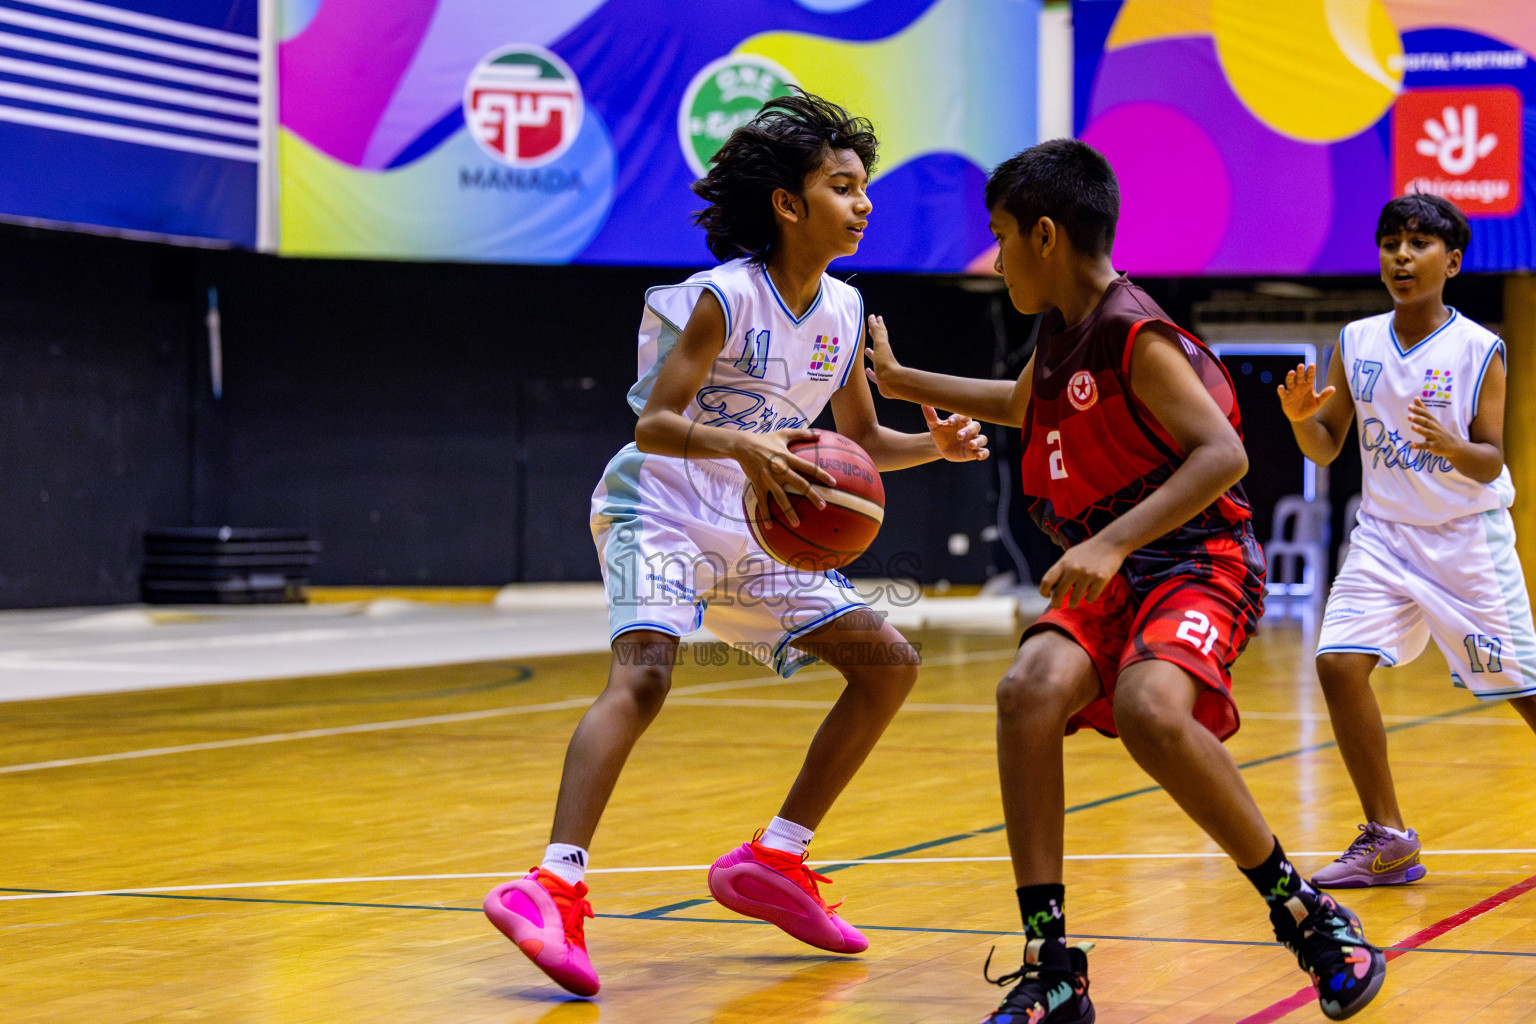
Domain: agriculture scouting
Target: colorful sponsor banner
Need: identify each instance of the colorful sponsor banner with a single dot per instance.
(554, 131)
(1264, 138)
(141, 116)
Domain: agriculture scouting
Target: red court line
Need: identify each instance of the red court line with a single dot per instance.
(1299, 999)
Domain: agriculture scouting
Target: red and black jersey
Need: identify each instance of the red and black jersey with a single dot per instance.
(1092, 450)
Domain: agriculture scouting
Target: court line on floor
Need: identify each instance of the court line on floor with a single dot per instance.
(142, 890)
(697, 688)
(1412, 943)
(752, 682)
(1102, 801)
(682, 691)
(738, 921)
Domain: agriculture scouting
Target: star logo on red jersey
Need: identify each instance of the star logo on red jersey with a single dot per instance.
(1082, 390)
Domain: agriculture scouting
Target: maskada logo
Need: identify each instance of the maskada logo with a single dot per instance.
(523, 105)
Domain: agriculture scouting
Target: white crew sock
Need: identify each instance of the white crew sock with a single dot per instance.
(787, 836)
(565, 861)
(1395, 832)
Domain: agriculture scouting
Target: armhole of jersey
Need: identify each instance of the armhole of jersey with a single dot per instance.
(1130, 346)
(1130, 342)
(1496, 349)
(725, 307)
(658, 314)
(858, 342)
(1342, 331)
(1135, 407)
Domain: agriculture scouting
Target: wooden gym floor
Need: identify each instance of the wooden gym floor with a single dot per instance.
(316, 849)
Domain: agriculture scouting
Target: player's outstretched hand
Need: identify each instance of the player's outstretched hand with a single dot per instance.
(1081, 574)
(883, 367)
(773, 470)
(1298, 398)
(958, 436)
(1436, 438)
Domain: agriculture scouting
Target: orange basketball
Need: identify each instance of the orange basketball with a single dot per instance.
(831, 537)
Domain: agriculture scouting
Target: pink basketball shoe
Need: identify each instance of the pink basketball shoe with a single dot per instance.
(777, 887)
(542, 915)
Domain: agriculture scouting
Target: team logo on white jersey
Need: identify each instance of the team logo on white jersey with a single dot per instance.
(823, 357)
(1437, 387)
(523, 105)
(1082, 391)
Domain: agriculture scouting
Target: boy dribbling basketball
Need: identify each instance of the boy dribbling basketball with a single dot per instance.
(735, 364)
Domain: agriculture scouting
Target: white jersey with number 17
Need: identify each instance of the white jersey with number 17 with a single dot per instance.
(1445, 371)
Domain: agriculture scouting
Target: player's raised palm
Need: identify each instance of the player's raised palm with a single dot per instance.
(883, 365)
(958, 437)
(1299, 397)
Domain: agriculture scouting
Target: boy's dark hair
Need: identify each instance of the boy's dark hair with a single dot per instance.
(786, 140)
(1430, 215)
(1066, 180)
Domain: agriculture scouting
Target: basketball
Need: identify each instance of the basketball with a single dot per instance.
(831, 537)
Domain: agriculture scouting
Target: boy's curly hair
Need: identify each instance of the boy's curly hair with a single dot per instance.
(1429, 214)
(786, 140)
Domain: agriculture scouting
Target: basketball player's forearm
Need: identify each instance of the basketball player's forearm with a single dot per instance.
(892, 450)
(672, 434)
(1315, 442)
(991, 401)
(1203, 477)
(1481, 461)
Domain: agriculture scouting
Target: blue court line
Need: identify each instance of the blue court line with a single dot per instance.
(658, 912)
(645, 916)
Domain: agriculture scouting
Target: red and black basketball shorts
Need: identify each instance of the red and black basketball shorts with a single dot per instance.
(1200, 623)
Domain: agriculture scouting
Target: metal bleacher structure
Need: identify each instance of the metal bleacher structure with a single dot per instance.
(1300, 323)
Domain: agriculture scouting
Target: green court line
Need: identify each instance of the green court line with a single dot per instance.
(659, 913)
(646, 916)
(1089, 805)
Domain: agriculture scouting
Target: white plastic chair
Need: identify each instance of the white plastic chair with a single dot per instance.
(1296, 557)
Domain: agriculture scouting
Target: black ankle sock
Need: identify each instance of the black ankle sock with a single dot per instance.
(1040, 907)
(1276, 880)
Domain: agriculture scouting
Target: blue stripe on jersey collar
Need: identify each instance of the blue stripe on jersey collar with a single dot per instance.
(1392, 332)
(796, 320)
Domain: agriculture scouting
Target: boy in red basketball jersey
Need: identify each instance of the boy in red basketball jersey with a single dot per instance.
(1131, 463)
(735, 363)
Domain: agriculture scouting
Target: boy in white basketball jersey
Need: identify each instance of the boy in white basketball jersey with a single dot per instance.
(735, 364)
(1433, 554)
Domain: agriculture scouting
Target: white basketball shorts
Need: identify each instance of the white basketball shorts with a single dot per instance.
(1459, 582)
(676, 555)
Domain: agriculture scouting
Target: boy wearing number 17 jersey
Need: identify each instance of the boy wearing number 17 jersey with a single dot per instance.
(1433, 553)
(1132, 461)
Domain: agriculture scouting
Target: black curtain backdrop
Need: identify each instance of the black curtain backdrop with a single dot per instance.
(430, 424)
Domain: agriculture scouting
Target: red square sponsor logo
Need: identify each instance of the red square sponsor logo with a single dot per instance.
(1463, 144)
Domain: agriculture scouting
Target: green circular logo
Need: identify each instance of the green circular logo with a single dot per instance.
(724, 95)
